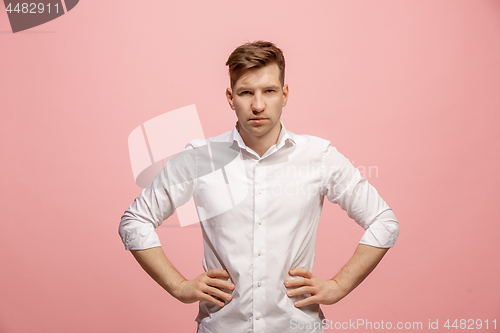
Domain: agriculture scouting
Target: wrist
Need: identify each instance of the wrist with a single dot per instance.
(175, 289)
(340, 286)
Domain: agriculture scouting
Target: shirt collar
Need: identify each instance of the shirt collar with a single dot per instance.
(284, 137)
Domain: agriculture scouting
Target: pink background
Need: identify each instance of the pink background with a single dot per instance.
(410, 88)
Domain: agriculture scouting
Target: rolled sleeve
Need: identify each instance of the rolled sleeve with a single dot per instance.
(344, 185)
(383, 231)
(171, 188)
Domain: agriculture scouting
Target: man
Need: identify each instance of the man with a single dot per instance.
(259, 251)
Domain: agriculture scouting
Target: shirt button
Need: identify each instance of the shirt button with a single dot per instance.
(257, 318)
(259, 253)
(260, 161)
(260, 222)
(259, 191)
(259, 284)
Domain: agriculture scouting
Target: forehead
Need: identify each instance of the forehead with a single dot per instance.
(267, 75)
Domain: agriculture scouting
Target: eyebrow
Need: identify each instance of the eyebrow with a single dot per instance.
(265, 88)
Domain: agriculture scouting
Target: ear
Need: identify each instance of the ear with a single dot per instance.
(285, 94)
(229, 96)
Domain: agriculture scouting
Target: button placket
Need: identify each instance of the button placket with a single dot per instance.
(259, 248)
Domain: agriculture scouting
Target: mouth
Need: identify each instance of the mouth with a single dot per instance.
(257, 119)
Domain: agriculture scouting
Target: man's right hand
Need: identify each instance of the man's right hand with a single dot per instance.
(206, 287)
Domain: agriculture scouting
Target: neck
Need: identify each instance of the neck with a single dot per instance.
(260, 144)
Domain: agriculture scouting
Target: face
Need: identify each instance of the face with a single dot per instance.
(258, 99)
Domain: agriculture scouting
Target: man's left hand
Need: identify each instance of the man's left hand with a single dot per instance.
(322, 291)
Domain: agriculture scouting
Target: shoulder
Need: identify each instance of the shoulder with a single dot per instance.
(224, 137)
(309, 140)
(312, 145)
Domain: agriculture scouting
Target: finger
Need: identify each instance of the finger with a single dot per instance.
(306, 301)
(217, 273)
(210, 299)
(298, 282)
(300, 271)
(215, 282)
(301, 291)
(218, 293)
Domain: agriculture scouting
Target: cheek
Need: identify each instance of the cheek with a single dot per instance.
(240, 106)
(241, 101)
(277, 107)
(239, 112)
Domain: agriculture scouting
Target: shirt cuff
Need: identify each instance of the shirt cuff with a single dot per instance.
(382, 232)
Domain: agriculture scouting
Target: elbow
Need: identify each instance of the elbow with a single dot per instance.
(126, 230)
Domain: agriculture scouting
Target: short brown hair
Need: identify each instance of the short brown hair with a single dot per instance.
(252, 56)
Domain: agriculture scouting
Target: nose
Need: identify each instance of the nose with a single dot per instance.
(258, 104)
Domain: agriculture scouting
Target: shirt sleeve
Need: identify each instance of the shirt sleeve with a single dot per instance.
(172, 187)
(344, 185)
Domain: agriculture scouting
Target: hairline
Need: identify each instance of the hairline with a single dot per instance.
(255, 68)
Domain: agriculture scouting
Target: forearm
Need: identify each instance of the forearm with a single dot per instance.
(157, 265)
(361, 264)
(206, 287)
(363, 261)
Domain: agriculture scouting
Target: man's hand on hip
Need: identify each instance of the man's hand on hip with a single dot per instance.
(206, 287)
(362, 262)
(322, 291)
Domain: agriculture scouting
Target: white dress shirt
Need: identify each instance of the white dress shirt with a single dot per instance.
(259, 217)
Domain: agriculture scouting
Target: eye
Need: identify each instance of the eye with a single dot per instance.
(245, 92)
(270, 91)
